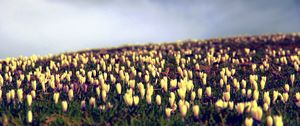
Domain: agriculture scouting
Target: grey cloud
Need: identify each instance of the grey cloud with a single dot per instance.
(47, 26)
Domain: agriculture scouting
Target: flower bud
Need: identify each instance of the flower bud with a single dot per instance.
(136, 100)
(199, 92)
(248, 122)
(29, 117)
(256, 113)
(92, 102)
(70, 94)
(269, 121)
(286, 87)
(285, 97)
(64, 106)
(196, 110)
(20, 94)
(208, 91)
(119, 88)
(168, 112)
(183, 110)
(158, 99)
(56, 97)
(278, 120)
(226, 96)
(29, 99)
(148, 99)
(255, 95)
(240, 108)
(193, 95)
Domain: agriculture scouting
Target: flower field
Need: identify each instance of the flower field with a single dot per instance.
(244, 80)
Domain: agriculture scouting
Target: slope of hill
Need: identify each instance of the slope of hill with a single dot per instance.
(226, 81)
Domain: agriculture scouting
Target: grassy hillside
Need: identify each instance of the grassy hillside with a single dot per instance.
(245, 80)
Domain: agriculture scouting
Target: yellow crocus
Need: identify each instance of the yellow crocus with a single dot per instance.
(29, 99)
(297, 96)
(278, 120)
(98, 91)
(168, 112)
(181, 92)
(193, 95)
(248, 121)
(196, 110)
(231, 105)
(158, 99)
(199, 92)
(128, 99)
(269, 121)
(219, 104)
(20, 94)
(183, 110)
(104, 95)
(119, 88)
(240, 108)
(29, 116)
(226, 96)
(92, 102)
(244, 84)
(173, 83)
(286, 87)
(257, 113)
(56, 97)
(64, 106)
(275, 96)
(208, 91)
(149, 99)
(256, 95)
(70, 94)
(249, 93)
(285, 97)
(136, 100)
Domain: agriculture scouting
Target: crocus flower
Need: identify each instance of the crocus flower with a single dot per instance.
(136, 100)
(193, 95)
(208, 91)
(286, 87)
(256, 95)
(158, 99)
(119, 88)
(82, 105)
(269, 121)
(275, 96)
(257, 113)
(240, 108)
(29, 99)
(181, 92)
(226, 96)
(277, 120)
(64, 106)
(196, 110)
(183, 110)
(92, 102)
(149, 99)
(56, 97)
(29, 116)
(70, 94)
(199, 92)
(285, 97)
(168, 112)
(248, 121)
(128, 99)
(20, 94)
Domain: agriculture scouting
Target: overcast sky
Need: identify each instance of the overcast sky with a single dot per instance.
(53, 26)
